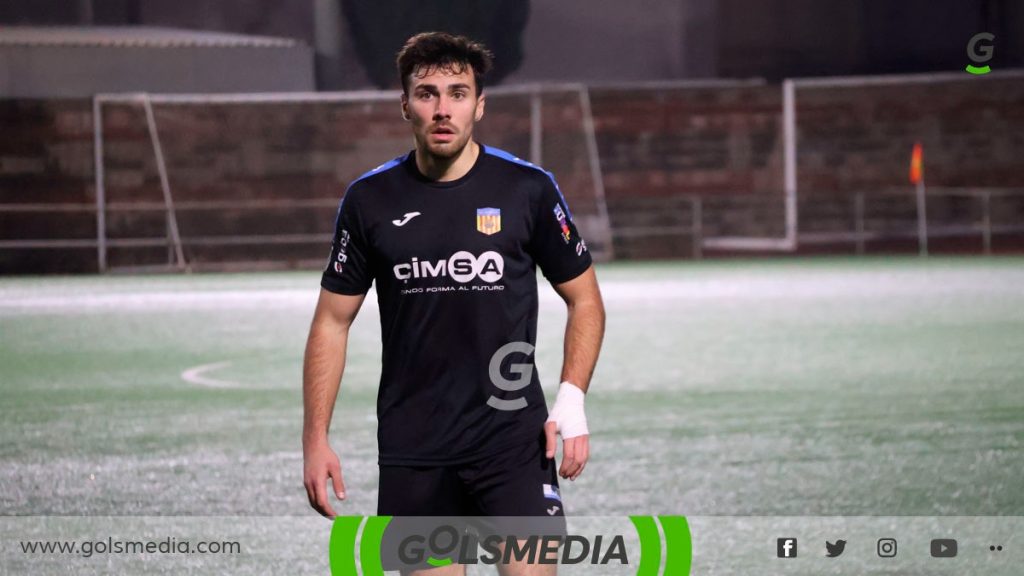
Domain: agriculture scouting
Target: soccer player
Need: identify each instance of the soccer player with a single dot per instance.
(452, 234)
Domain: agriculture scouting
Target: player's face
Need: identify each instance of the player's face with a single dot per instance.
(443, 107)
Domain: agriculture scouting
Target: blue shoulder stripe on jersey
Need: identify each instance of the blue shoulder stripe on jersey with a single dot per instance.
(382, 168)
(517, 160)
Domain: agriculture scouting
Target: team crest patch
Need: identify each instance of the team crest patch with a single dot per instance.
(552, 493)
(560, 216)
(488, 220)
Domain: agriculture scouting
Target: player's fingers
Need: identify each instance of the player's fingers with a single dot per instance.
(578, 472)
(568, 457)
(323, 504)
(582, 454)
(310, 495)
(339, 482)
(551, 434)
(578, 461)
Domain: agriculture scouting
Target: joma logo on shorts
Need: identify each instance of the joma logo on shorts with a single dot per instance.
(462, 267)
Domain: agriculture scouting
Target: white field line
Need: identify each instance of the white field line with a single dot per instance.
(28, 300)
(195, 376)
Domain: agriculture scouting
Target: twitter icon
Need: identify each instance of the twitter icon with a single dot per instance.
(833, 550)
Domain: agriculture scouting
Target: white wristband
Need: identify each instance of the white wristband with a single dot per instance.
(567, 413)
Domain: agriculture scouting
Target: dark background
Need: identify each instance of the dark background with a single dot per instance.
(594, 40)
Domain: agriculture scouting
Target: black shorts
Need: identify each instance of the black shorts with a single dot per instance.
(519, 481)
(513, 493)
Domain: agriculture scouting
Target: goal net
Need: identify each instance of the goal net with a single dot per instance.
(253, 181)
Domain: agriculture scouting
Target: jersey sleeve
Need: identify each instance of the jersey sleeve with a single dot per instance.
(555, 244)
(348, 270)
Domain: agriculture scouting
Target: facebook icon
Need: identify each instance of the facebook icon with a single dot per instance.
(786, 547)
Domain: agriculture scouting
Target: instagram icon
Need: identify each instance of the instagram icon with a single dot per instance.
(886, 547)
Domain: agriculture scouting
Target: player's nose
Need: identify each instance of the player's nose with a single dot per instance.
(443, 109)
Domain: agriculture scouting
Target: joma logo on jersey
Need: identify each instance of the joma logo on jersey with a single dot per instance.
(462, 267)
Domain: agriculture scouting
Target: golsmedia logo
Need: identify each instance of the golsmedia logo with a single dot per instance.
(386, 543)
(979, 50)
(462, 267)
(446, 545)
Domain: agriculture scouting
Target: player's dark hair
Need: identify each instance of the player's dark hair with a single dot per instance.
(427, 52)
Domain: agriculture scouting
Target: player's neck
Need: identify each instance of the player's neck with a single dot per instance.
(447, 169)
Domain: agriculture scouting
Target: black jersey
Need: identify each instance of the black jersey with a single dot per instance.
(455, 267)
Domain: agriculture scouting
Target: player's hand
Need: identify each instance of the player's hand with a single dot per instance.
(575, 452)
(567, 418)
(322, 463)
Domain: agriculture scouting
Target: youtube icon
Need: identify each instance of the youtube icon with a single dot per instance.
(943, 548)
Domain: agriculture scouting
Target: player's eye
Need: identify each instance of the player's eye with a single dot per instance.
(424, 95)
(459, 95)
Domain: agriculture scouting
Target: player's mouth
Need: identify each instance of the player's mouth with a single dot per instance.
(443, 134)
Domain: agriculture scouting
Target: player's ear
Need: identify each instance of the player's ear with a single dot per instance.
(480, 101)
(405, 107)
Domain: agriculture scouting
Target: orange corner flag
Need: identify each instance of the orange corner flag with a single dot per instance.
(916, 164)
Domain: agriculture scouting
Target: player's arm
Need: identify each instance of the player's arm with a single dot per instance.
(322, 368)
(584, 331)
(584, 328)
(561, 253)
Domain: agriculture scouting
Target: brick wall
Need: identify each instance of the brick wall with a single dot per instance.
(46, 156)
(658, 148)
(720, 143)
(851, 140)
